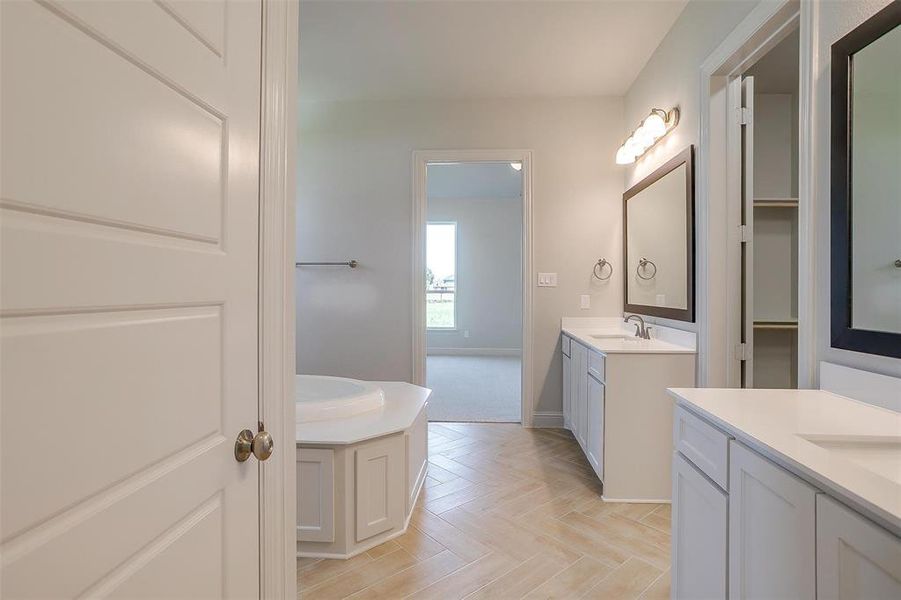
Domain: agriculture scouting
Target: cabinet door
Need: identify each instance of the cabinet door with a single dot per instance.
(855, 557)
(700, 523)
(580, 393)
(316, 506)
(580, 377)
(567, 392)
(772, 537)
(595, 417)
(379, 484)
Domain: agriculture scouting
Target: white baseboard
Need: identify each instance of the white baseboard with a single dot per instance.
(549, 419)
(637, 500)
(474, 352)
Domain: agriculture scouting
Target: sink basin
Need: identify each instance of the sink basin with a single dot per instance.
(878, 454)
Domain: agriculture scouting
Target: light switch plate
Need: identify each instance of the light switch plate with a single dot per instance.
(585, 302)
(547, 280)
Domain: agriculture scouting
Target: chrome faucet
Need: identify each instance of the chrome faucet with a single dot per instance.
(641, 330)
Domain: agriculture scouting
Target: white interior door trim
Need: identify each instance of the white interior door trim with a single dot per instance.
(421, 158)
(278, 142)
(764, 27)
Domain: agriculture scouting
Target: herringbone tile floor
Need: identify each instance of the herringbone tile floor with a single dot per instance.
(507, 513)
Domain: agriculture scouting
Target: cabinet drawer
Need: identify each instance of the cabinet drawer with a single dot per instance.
(565, 345)
(596, 365)
(703, 444)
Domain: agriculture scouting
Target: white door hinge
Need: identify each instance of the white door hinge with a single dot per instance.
(744, 234)
(741, 351)
(745, 115)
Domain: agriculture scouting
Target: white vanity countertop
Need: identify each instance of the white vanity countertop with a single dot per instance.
(850, 448)
(616, 340)
(403, 402)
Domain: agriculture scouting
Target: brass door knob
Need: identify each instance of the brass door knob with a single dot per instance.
(260, 445)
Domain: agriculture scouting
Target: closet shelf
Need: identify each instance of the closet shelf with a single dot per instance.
(775, 324)
(776, 202)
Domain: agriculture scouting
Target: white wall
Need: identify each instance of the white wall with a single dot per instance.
(355, 201)
(835, 19)
(672, 78)
(489, 273)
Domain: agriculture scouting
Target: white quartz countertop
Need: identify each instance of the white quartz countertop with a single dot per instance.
(616, 340)
(840, 445)
(403, 402)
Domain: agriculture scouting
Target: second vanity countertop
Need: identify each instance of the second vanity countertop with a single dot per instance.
(617, 340)
(850, 448)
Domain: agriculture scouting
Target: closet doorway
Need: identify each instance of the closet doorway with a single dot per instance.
(768, 116)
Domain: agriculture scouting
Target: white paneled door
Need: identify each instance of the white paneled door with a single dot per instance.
(129, 184)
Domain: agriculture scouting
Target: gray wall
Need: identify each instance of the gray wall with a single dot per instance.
(672, 78)
(489, 272)
(355, 201)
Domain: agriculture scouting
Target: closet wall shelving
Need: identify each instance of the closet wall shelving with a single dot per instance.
(775, 234)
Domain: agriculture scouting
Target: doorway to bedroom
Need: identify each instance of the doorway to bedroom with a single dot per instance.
(474, 291)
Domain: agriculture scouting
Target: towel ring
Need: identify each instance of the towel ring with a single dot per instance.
(643, 266)
(599, 268)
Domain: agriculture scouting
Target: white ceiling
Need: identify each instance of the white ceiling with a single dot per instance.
(477, 49)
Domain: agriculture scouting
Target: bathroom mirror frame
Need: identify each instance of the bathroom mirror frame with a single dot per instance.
(844, 335)
(685, 157)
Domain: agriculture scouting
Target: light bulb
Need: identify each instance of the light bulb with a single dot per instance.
(644, 138)
(633, 147)
(624, 157)
(654, 125)
(517, 166)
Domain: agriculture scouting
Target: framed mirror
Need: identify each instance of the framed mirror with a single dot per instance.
(866, 186)
(659, 241)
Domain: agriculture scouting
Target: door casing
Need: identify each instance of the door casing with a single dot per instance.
(278, 159)
(421, 159)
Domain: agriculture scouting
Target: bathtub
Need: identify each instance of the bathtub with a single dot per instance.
(322, 398)
(362, 457)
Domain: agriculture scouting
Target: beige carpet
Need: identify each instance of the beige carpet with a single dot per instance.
(474, 388)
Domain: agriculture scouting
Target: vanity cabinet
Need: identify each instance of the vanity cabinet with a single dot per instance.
(616, 406)
(740, 518)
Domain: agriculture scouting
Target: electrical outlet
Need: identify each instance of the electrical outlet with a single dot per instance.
(466, 333)
(547, 280)
(661, 299)
(585, 302)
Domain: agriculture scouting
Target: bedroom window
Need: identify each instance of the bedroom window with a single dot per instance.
(441, 275)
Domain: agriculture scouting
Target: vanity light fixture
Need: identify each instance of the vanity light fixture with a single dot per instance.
(517, 166)
(652, 129)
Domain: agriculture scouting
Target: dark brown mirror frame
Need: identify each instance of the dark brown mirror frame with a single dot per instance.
(844, 336)
(685, 157)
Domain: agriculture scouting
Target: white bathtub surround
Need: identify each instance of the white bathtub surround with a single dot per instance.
(777, 492)
(616, 405)
(359, 476)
